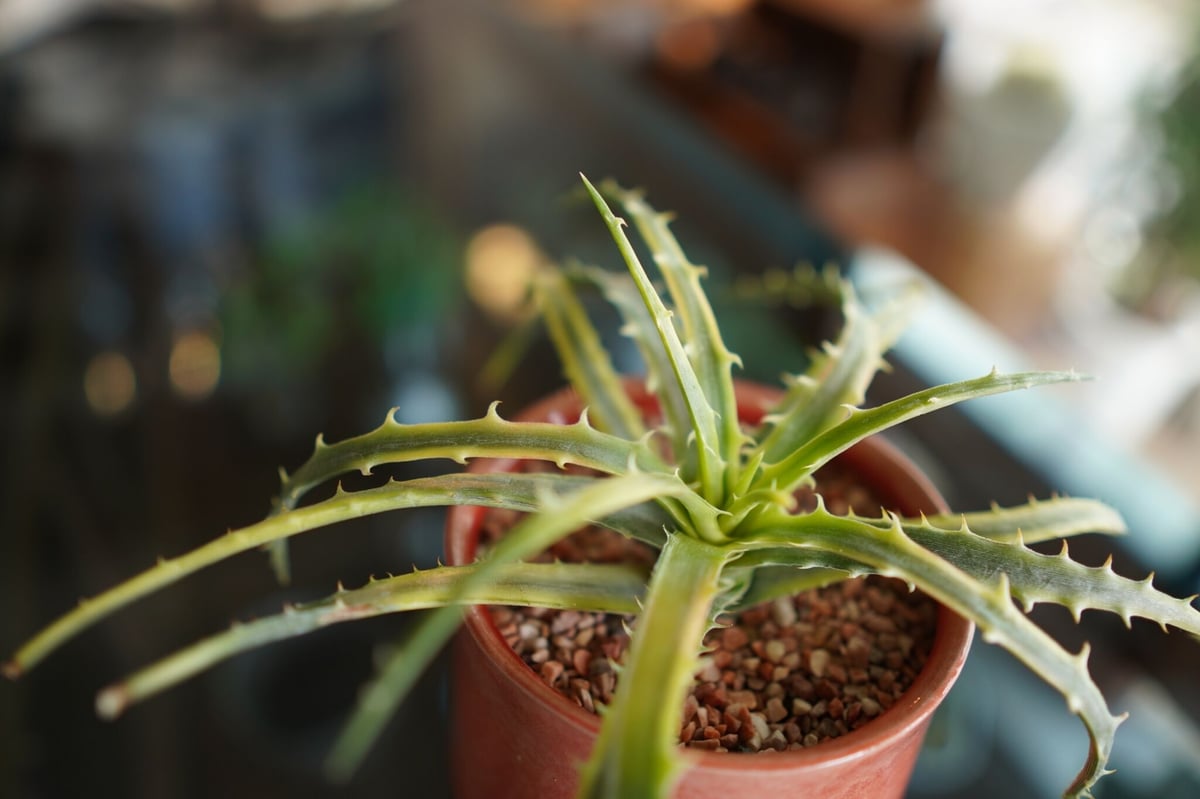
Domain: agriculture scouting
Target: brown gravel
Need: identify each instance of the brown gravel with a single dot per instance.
(784, 675)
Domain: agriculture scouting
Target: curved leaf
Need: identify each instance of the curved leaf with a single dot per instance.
(559, 516)
(488, 437)
(622, 292)
(585, 361)
(890, 552)
(791, 472)
(1034, 577)
(637, 754)
(839, 375)
(1036, 520)
(710, 358)
(702, 417)
(521, 492)
(606, 588)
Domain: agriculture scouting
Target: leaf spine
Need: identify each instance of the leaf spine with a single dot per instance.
(1081, 659)
(1077, 609)
(1002, 593)
(993, 636)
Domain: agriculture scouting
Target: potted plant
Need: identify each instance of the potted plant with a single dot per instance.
(709, 483)
(514, 737)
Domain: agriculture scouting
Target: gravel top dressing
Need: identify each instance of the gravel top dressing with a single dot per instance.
(783, 675)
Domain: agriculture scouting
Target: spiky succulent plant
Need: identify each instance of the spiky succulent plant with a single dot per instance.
(715, 500)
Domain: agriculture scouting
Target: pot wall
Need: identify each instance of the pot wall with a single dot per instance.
(515, 738)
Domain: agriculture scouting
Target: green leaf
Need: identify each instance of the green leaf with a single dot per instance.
(559, 516)
(890, 552)
(585, 361)
(702, 417)
(1035, 521)
(775, 582)
(598, 587)
(1034, 577)
(622, 292)
(789, 473)
(711, 360)
(637, 753)
(838, 376)
(522, 492)
(488, 437)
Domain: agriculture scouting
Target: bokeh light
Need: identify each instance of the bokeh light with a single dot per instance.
(195, 365)
(501, 260)
(109, 383)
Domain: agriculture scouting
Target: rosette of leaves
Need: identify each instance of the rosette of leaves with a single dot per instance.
(716, 500)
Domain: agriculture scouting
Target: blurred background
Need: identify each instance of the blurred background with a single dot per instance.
(226, 225)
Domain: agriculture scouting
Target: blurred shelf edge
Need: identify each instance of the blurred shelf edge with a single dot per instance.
(948, 342)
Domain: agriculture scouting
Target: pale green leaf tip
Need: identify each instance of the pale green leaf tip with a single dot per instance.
(112, 702)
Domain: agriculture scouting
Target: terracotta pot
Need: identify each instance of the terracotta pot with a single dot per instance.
(516, 738)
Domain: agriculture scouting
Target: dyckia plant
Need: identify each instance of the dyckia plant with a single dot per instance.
(716, 500)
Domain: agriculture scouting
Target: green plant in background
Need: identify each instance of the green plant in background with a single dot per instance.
(1171, 250)
(376, 262)
(715, 500)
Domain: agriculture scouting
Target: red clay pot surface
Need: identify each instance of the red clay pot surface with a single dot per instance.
(516, 738)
